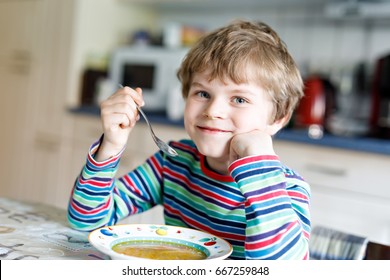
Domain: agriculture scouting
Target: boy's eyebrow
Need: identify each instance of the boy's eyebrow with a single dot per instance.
(243, 91)
(240, 90)
(234, 91)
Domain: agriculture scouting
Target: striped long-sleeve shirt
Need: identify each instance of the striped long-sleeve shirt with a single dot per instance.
(261, 209)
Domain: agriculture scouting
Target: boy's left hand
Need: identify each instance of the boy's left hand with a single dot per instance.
(252, 143)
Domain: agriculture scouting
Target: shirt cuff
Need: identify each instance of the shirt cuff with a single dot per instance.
(110, 162)
(249, 163)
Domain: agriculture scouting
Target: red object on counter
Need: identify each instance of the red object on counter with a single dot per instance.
(311, 110)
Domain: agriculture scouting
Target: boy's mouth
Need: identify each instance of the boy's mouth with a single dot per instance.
(208, 129)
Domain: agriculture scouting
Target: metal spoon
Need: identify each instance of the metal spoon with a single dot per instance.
(160, 143)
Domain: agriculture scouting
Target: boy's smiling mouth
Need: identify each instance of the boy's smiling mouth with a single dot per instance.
(212, 130)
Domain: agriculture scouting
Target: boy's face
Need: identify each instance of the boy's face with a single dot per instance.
(217, 110)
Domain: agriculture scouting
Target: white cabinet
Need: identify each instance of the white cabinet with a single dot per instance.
(44, 45)
(350, 189)
(34, 50)
(16, 71)
(49, 150)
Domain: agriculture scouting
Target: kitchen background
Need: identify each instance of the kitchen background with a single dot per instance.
(47, 122)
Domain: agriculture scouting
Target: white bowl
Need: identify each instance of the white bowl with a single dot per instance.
(103, 239)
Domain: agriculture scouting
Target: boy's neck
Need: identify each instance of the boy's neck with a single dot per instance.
(219, 166)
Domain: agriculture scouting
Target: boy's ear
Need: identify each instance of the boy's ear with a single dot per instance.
(277, 125)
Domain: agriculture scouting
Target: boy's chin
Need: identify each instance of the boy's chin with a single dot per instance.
(213, 151)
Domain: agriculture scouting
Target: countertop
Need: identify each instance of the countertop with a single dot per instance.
(358, 143)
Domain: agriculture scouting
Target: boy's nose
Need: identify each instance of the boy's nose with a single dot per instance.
(216, 109)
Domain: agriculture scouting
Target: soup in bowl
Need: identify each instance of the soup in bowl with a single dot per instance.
(160, 250)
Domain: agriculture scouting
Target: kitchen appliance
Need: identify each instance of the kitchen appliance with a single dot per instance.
(316, 106)
(351, 118)
(380, 110)
(90, 85)
(151, 68)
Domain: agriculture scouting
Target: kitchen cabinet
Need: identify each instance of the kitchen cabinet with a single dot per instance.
(49, 152)
(43, 46)
(350, 189)
(16, 73)
(34, 49)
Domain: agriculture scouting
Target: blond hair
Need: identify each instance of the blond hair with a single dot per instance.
(231, 51)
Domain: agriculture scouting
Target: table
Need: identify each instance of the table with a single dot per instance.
(38, 231)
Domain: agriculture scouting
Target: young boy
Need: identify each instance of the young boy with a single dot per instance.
(240, 87)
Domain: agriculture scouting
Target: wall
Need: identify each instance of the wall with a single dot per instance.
(315, 41)
(318, 43)
(100, 27)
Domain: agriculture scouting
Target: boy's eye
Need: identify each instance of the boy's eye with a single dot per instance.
(239, 100)
(203, 94)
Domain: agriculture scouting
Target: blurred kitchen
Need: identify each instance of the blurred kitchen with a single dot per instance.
(60, 58)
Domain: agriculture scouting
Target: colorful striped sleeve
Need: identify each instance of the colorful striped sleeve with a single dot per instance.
(99, 199)
(276, 208)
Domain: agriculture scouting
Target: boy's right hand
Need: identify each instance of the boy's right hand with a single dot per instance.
(119, 115)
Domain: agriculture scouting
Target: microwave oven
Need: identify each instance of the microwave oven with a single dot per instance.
(151, 68)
